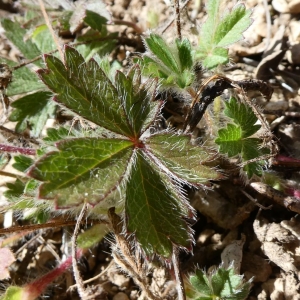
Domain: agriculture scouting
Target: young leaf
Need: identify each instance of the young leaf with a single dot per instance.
(220, 284)
(172, 63)
(84, 169)
(153, 210)
(32, 110)
(181, 158)
(85, 89)
(235, 139)
(218, 33)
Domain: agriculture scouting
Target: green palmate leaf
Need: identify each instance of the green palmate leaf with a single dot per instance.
(234, 138)
(32, 110)
(181, 158)
(15, 33)
(84, 169)
(217, 33)
(85, 89)
(153, 210)
(15, 190)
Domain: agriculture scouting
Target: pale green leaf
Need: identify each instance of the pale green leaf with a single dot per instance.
(181, 158)
(15, 33)
(43, 39)
(231, 28)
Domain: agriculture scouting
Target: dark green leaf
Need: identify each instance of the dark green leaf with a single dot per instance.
(82, 10)
(84, 169)
(15, 190)
(181, 158)
(242, 115)
(185, 53)
(22, 163)
(94, 20)
(154, 210)
(85, 89)
(15, 33)
(32, 110)
(139, 108)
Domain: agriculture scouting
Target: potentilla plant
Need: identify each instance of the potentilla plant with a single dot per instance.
(125, 165)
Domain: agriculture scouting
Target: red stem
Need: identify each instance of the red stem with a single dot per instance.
(13, 149)
(36, 288)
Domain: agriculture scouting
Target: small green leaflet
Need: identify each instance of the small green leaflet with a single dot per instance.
(15, 33)
(172, 63)
(218, 32)
(235, 139)
(221, 284)
(32, 110)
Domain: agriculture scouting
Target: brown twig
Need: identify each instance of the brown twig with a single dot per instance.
(127, 259)
(83, 293)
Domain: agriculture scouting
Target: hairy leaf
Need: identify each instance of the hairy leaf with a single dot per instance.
(154, 212)
(85, 89)
(172, 62)
(220, 284)
(235, 139)
(181, 158)
(84, 169)
(32, 110)
(219, 32)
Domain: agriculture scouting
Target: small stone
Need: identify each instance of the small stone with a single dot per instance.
(120, 296)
